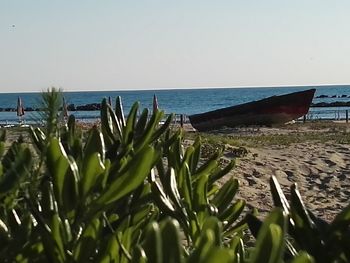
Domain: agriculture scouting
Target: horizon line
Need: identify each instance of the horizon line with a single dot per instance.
(188, 88)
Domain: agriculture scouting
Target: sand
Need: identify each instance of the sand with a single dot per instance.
(321, 171)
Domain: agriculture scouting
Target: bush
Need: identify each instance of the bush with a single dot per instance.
(129, 192)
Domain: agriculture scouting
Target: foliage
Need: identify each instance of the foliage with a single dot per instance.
(129, 191)
(326, 242)
(50, 105)
(250, 137)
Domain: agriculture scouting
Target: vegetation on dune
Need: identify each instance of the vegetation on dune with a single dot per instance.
(335, 133)
(129, 191)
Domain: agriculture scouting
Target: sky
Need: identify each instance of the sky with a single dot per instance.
(149, 44)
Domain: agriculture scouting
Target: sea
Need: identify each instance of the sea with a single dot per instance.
(178, 101)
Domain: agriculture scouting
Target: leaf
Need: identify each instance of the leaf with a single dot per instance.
(278, 196)
(205, 169)
(141, 123)
(142, 213)
(342, 220)
(305, 230)
(57, 164)
(200, 200)
(212, 223)
(131, 177)
(106, 124)
(216, 175)
(202, 247)
(126, 242)
(38, 138)
(270, 242)
(163, 128)
(55, 226)
(225, 195)
(219, 255)
(149, 130)
(139, 255)
(160, 197)
(172, 189)
(303, 257)
(152, 244)
(16, 165)
(194, 159)
(232, 213)
(3, 135)
(94, 144)
(185, 185)
(87, 243)
(130, 124)
(111, 252)
(71, 187)
(171, 242)
(237, 246)
(119, 111)
(91, 171)
(2, 148)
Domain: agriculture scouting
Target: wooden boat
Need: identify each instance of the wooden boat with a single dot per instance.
(272, 110)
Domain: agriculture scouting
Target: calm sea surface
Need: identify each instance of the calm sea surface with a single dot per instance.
(181, 101)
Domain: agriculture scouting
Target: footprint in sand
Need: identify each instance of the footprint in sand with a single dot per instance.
(310, 162)
(259, 164)
(342, 177)
(329, 162)
(250, 181)
(290, 175)
(326, 179)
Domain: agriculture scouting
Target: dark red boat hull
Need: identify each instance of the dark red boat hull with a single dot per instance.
(272, 110)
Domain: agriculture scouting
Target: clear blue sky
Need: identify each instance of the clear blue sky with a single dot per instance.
(108, 45)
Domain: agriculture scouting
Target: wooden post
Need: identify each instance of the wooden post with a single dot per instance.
(347, 116)
(182, 120)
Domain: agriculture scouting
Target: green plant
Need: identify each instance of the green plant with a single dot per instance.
(129, 192)
(188, 190)
(326, 242)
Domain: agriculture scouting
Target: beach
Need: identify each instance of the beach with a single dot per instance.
(321, 171)
(315, 157)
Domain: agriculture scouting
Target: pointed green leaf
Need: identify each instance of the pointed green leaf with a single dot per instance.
(270, 242)
(93, 169)
(131, 177)
(171, 241)
(152, 244)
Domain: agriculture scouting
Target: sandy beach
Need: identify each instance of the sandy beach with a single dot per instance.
(316, 157)
(319, 164)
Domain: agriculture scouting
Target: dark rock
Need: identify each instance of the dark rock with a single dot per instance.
(332, 104)
(71, 107)
(89, 107)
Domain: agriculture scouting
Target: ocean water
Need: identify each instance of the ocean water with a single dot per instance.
(179, 101)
